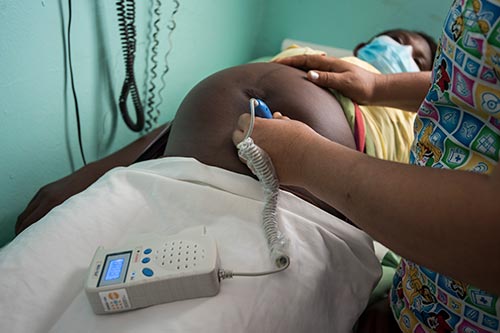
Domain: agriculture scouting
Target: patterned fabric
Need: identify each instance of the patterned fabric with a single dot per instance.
(457, 127)
(425, 301)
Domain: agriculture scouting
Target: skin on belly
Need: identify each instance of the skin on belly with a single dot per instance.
(207, 117)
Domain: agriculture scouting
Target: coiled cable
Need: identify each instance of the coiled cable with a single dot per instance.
(153, 113)
(171, 27)
(126, 19)
(260, 164)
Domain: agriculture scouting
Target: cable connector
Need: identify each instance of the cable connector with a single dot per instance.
(225, 274)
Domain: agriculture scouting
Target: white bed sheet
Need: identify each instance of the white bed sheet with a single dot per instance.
(333, 266)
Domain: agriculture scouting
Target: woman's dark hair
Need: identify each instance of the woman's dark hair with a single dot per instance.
(430, 40)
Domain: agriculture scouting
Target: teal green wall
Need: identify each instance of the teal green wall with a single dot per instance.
(344, 24)
(37, 120)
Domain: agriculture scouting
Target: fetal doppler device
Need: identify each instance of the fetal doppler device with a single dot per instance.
(164, 268)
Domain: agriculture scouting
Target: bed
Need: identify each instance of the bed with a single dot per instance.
(328, 284)
(333, 272)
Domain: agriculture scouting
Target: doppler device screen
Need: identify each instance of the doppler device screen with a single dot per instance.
(115, 269)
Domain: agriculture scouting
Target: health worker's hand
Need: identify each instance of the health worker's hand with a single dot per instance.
(284, 140)
(350, 80)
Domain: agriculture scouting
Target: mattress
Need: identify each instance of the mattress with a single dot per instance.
(332, 272)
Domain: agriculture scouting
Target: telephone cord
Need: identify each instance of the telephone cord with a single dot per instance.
(126, 19)
(171, 27)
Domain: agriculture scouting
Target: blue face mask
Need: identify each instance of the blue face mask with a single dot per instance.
(388, 56)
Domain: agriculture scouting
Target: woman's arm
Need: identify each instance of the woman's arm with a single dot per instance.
(445, 220)
(403, 91)
(57, 192)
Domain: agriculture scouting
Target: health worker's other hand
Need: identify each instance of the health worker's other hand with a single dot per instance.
(350, 80)
(284, 140)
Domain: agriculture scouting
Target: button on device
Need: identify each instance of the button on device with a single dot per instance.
(147, 251)
(147, 272)
(146, 260)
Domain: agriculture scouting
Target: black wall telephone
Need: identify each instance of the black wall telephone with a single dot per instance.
(126, 21)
